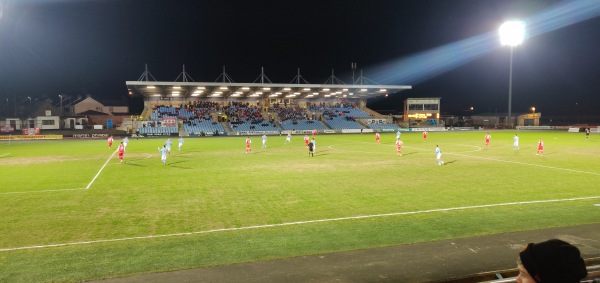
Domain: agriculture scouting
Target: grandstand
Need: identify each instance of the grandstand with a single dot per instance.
(238, 118)
(228, 108)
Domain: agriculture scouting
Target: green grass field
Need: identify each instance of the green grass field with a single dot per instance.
(213, 204)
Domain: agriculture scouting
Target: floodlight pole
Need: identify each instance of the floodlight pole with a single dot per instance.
(61, 107)
(510, 88)
(512, 33)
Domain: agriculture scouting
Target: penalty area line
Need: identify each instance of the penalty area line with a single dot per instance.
(298, 223)
(527, 164)
(100, 171)
(2, 155)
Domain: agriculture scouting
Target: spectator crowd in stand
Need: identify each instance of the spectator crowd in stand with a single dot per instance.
(241, 113)
(293, 113)
(333, 110)
(236, 113)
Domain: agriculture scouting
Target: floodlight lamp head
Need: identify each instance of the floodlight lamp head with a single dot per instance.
(512, 33)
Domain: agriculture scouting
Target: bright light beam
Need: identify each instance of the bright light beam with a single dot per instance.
(561, 15)
(430, 63)
(425, 65)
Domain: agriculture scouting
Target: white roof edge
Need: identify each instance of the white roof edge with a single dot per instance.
(157, 83)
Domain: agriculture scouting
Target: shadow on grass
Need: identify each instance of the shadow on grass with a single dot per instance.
(182, 156)
(410, 153)
(133, 164)
(175, 166)
(176, 162)
(449, 162)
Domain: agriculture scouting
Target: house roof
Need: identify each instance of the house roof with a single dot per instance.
(91, 112)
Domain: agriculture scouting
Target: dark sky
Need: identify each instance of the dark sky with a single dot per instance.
(80, 47)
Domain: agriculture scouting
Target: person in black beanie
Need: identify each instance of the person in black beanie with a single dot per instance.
(550, 261)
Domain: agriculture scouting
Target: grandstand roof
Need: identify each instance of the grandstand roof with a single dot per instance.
(186, 90)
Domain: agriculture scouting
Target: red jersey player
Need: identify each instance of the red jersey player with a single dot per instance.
(424, 135)
(121, 150)
(377, 137)
(314, 132)
(110, 142)
(306, 140)
(487, 140)
(399, 147)
(248, 143)
(540, 150)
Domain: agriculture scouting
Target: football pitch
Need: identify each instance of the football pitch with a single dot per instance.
(69, 211)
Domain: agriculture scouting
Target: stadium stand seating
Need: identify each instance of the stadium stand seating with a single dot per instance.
(340, 117)
(342, 123)
(197, 126)
(379, 126)
(296, 118)
(302, 125)
(158, 130)
(195, 119)
(253, 126)
(245, 117)
(198, 117)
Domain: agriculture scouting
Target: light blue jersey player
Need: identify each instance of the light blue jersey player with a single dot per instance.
(125, 142)
(398, 133)
(180, 144)
(516, 142)
(163, 152)
(438, 154)
(168, 145)
(264, 140)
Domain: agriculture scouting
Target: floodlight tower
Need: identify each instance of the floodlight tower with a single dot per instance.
(512, 33)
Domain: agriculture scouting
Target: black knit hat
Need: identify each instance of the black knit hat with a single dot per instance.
(553, 261)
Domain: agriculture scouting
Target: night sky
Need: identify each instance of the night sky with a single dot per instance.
(87, 47)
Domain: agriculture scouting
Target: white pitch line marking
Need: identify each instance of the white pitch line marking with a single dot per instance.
(529, 164)
(517, 162)
(97, 174)
(4, 154)
(297, 223)
(62, 190)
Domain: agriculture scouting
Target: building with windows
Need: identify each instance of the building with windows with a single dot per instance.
(422, 112)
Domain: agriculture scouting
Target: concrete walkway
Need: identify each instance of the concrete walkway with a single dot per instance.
(424, 262)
